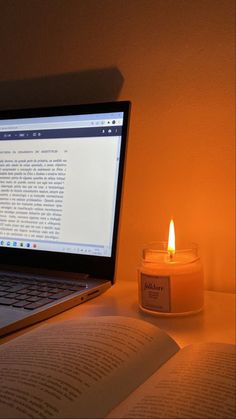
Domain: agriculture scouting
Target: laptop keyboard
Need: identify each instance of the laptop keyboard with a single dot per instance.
(29, 293)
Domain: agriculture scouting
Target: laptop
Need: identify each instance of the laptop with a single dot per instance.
(61, 172)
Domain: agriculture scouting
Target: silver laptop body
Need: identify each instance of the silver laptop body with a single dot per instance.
(61, 172)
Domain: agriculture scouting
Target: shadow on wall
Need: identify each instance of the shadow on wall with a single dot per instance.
(87, 86)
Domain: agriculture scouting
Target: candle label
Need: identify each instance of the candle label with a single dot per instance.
(155, 292)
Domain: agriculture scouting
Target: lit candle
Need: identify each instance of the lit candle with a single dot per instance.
(170, 279)
(171, 240)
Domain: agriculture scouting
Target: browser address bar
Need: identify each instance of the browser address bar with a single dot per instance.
(53, 125)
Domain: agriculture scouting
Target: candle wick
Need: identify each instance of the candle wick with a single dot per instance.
(171, 256)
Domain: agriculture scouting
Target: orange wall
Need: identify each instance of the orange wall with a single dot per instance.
(177, 59)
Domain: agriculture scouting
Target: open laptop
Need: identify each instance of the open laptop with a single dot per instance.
(61, 173)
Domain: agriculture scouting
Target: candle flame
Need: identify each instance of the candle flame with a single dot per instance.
(171, 240)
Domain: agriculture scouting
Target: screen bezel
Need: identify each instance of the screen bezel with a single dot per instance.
(102, 267)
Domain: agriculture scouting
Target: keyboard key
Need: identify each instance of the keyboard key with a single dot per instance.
(32, 299)
(37, 304)
(4, 288)
(21, 297)
(34, 292)
(24, 291)
(45, 294)
(11, 294)
(44, 287)
(54, 284)
(20, 303)
(17, 288)
(62, 286)
(10, 280)
(35, 287)
(61, 294)
(7, 301)
(76, 287)
(54, 290)
(28, 281)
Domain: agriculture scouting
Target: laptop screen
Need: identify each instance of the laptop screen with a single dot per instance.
(59, 174)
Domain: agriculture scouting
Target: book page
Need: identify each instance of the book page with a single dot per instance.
(198, 382)
(79, 369)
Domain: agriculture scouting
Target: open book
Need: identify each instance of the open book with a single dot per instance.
(116, 367)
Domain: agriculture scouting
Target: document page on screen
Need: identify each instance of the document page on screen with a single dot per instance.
(58, 189)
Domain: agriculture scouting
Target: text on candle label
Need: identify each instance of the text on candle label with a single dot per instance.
(155, 292)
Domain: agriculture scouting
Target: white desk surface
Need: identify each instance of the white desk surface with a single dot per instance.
(216, 323)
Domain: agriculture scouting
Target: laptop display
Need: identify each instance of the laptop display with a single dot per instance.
(61, 172)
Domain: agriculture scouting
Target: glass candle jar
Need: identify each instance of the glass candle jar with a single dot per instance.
(170, 284)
